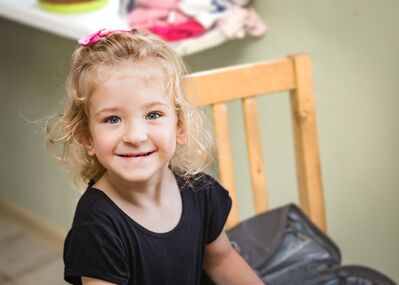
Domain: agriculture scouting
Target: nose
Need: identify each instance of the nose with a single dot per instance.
(135, 133)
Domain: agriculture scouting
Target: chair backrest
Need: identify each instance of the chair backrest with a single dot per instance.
(245, 82)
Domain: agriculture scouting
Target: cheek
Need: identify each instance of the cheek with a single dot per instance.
(103, 140)
(166, 137)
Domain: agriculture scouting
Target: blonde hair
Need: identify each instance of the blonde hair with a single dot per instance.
(71, 130)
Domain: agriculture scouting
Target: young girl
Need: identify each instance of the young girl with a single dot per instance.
(149, 215)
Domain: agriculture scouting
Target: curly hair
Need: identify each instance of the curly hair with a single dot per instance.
(71, 129)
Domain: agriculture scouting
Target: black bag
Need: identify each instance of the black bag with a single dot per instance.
(285, 248)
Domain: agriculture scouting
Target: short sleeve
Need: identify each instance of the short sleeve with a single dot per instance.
(92, 250)
(218, 205)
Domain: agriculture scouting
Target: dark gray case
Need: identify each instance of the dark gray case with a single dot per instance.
(285, 248)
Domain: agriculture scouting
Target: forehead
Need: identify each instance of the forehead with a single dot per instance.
(125, 83)
(146, 71)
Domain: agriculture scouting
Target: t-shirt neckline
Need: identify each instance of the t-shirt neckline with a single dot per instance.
(137, 225)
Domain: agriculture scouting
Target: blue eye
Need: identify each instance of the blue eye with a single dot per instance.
(153, 116)
(112, 120)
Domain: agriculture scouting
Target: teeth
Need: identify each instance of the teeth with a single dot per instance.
(128, 155)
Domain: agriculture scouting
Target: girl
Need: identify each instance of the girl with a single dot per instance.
(149, 215)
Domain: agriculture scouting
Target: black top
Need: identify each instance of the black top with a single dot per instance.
(105, 243)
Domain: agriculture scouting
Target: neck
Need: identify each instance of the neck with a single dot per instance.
(140, 193)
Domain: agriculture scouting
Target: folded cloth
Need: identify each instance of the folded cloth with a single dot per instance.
(206, 12)
(238, 22)
(255, 25)
(180, 31)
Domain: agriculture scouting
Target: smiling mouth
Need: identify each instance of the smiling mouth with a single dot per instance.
(137, 155)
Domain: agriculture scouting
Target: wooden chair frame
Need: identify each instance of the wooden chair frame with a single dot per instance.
(245, 82)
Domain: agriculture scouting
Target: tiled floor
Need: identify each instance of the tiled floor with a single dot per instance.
(25, 258)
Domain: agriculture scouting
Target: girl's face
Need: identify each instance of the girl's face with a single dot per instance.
(133, 124)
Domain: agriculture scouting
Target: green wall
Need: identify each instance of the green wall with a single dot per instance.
(354, 47)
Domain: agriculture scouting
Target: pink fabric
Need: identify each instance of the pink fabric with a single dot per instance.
(158, 4)
(95, 37)
(177, 32)
(144, 18)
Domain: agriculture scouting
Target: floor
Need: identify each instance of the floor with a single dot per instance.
(25, 258)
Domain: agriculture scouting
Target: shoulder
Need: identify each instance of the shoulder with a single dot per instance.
(96, 221)
(216, 203)
(208, 188)
(203, 182)
(94, 246)
(95, 207)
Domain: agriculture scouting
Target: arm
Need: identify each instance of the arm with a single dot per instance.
(93, 281)
(225, 266)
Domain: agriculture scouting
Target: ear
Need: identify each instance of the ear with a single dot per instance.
(90, 147)
(87, 141)
(181, 134)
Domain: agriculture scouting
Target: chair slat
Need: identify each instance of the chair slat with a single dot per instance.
(235, 83)
(306, 143)
(220, 124)
(255, 154)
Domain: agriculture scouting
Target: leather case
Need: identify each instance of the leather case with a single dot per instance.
(285, 248)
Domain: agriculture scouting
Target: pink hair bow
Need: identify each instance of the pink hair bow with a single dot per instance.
(95, 37)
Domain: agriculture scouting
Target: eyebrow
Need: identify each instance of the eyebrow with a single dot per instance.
(110, 110)
(147, 106)
(153, 104)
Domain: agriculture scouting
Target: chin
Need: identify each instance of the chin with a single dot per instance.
(138, 176)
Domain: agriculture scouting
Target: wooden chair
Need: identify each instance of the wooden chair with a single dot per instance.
(245, 82)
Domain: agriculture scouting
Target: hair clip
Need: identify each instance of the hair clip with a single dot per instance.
(95, 37)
